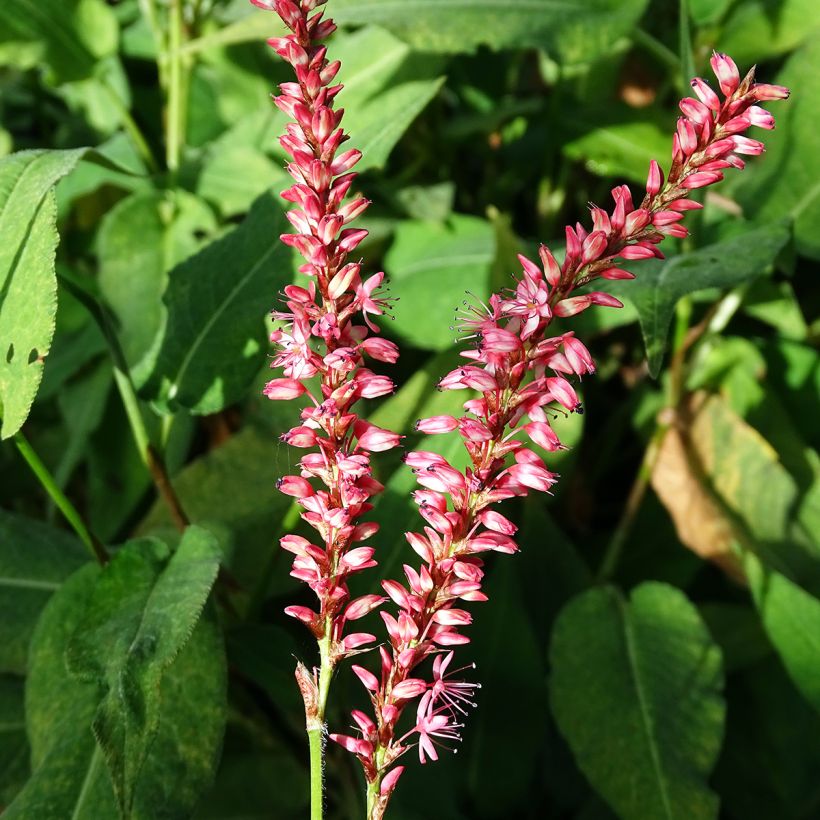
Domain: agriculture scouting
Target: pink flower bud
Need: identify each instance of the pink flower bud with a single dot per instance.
(369, 680)
(359, 607)
(726, 72)
(280, 389)
(654, 179)
(436, 424)
(705, 94)
(390, 779)
(452, 617)
(295, 486)
(375, 438)
(356, 639)
(409, 688)
(380, 349)
(552, 270)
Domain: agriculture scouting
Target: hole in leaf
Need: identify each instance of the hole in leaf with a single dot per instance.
(33, 355)
(10, 353)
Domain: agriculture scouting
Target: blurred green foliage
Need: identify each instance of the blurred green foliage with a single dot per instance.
(653, 651)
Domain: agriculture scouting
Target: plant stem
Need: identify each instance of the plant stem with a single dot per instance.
(125, 385)
(72, 515)
(176, 91)
(316, 731)
(132, 129)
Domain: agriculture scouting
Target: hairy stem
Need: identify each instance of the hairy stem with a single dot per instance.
(69, 511)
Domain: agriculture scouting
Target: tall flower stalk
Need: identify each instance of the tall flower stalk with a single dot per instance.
(325, 333)
(522, 377)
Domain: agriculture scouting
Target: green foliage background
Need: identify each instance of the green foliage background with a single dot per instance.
(653, 651)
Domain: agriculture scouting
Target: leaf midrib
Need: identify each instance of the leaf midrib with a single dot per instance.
(216, 315)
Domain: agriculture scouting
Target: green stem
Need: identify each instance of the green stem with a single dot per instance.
(125, 385)
(132, 129)
(317, 730)
(656, 47)
(175, 109)
(373, 790)
(316, 740)
(72, 515)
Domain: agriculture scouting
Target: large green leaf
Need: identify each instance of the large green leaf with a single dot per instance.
(787, 183)
(28, 284)
(140, 240)
(791, 618)
(214, 341)
(659, 285)
(70, 777)
(636, 691)
(434, 266)
(34, 560)
(69, 36)
(139, 616)
(573, 32)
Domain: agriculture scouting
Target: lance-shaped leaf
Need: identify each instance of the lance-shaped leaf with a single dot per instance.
(70, 777)
(34, 561)
(139, 616)
(28, 283)
(660, 285)
(636, 691)
(214, 340)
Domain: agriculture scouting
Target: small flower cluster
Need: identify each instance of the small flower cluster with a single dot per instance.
(320, 338)
(522, 375)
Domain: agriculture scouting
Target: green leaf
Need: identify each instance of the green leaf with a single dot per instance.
(28, 284)
(69, 36)
(70, 779)
(14, 751)
(34, 561)
(575, 33)
(433, 266)
(215, 341)
(622, 149)
(660, 285)
(139, 616)
(787, 184)
(791, 618)
(636, 691)
(234, 176)
(757, 30)
(149, 232)
(382, 97)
